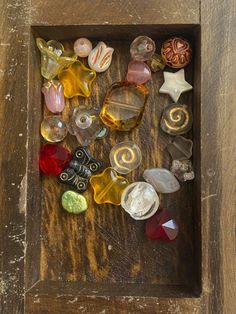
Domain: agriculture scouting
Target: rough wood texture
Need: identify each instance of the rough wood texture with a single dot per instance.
(217, 143)
(105, 244)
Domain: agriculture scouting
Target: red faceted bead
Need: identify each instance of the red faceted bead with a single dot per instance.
(162, 227)
(53, 159)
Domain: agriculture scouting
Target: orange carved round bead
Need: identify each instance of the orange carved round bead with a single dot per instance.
(176, 52)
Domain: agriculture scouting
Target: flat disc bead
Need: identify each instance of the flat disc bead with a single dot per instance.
(125, 157)
(53, 129)
(138, 72)
(82, 47)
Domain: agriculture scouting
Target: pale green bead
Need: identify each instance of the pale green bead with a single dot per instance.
(73, 202)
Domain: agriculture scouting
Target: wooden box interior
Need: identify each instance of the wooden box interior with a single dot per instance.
(104, 251)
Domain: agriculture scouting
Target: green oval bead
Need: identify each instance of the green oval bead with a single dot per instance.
(73, 202)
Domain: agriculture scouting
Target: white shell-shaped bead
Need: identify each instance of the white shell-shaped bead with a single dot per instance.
(100, 57)
(162, 180)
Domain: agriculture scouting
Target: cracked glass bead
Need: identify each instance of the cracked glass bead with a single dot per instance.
(140, 200)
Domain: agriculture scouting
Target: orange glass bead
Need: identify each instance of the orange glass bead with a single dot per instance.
(124, 105)
(108, 187)
(77, 80)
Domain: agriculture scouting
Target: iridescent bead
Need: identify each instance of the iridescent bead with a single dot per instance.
(54, 96)
(125, 157)
(138, 72)
(142, 48)
(82, 47)
(53, 129)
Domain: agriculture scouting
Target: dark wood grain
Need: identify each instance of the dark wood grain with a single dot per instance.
(213, 191)
(13, 142)
(105, 244)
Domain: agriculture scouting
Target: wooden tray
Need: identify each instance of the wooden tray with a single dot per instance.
(102, 262)
(105, 251)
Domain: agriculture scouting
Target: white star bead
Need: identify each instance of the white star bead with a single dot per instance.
(175, 84)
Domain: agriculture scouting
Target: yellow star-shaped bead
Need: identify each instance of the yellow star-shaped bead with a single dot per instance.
(77, 80)
(108, 186)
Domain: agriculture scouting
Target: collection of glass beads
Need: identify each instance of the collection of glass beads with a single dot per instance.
(122, 109)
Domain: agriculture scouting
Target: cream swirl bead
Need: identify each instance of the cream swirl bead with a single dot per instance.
(176, 119)
(125, 157)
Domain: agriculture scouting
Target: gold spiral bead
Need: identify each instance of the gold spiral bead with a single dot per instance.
(176, 119)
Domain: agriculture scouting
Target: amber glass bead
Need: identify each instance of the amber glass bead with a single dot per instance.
(77, 80)
(156, 63)
(124, 105)
(108, 187)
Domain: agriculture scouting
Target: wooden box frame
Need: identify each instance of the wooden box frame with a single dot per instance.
(215, 191)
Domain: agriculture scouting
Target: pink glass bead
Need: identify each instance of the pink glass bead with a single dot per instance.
(142, 48)
(138, 72)
(162, 227)
(54, 96)
(82, 47)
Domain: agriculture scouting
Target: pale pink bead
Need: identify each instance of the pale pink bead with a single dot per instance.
(138, 72)
(54, 96)
(82, 47)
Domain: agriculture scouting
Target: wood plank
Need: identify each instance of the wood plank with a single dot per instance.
(13, 142)
(114, 12)
(218, 24)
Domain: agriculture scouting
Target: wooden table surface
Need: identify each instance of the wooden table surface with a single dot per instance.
(218, 35)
